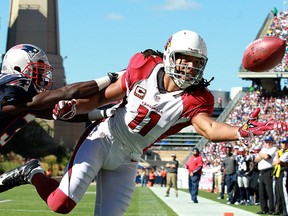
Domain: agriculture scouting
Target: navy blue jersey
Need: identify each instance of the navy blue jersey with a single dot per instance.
(242, 164)
(14, 89)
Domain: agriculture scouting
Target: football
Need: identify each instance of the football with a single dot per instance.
(263, 54)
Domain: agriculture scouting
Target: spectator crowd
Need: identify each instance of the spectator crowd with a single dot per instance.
(235, 164)
(279, 28)
(241, 168)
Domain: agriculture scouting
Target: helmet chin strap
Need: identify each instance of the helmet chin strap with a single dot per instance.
(181, 83)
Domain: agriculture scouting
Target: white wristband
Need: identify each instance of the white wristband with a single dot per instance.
(96, 114)
(103, 82)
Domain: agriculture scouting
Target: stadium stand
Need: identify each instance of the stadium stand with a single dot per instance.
(185, 141)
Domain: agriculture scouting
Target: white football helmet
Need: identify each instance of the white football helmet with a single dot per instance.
(29, 61)
(241, 151)
(189, 43)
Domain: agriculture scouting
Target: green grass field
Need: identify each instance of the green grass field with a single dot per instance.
(24, 201)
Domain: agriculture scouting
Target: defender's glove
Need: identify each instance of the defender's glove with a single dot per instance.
(253, 127)
(115, 76)
(64, 110)
(103, 82)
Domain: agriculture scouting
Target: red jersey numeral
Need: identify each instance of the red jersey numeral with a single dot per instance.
(142, 112)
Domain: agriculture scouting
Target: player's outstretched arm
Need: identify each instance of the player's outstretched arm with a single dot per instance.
(220, 131)
(48, 99)
(47, 114)
(213, 130)
(67, 109)
(87, 89)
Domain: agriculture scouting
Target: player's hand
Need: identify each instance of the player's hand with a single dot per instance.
(253, 127)
(115, 76)
(64, 110)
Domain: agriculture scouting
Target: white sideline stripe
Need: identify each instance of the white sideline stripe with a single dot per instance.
(205, 207)
(2, 201)
(90, 192)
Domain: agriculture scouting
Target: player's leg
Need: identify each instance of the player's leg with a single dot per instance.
(20, 175)
(63, 198)
(86, 161)
(31, 173)
(241, 189)
(115, 189)
(247, 189)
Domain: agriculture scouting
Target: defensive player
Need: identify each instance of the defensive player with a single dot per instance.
(161, 95)
(242, 161)
(25, 77)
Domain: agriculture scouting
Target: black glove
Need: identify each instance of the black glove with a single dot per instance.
(115, 76)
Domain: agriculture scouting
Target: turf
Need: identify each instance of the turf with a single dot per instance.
(24, 201)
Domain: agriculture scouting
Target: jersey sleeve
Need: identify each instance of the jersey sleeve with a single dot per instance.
(197, 102)
(138, 68)
(20, 89)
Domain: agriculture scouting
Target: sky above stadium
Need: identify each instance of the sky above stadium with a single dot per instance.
(97, 37)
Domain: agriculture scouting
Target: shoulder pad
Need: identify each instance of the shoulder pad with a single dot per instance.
(23, 83)
(138, 60)
(5, 78)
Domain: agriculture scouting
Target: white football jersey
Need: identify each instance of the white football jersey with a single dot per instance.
(150, 112)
